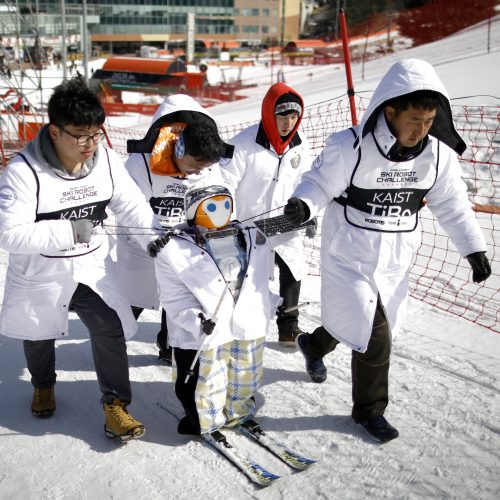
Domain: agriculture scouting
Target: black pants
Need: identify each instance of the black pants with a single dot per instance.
(370, 370)
(185, 391)
(109, 349)
(290, 291)
(162, 336)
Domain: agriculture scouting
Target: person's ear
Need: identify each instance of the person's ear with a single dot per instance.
(54, 132)
(390, 113)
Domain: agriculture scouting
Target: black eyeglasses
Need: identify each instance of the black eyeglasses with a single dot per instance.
(83, 139)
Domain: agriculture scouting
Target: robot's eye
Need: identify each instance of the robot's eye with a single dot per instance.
(227, 205)
(211, 207)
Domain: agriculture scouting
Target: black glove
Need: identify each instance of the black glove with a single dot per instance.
(82, 230)
(207, 325)
(312, 230)
(296, 211)
(480, 266)
(155, 246)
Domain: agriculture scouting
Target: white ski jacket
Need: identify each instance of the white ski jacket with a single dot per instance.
(357, 264)
(45, 264)
(190, 282)
(165, 194)
(262, 181)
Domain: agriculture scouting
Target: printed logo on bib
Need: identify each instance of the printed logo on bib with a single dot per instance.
(96, 212)
(387, 196)
(397, 177)
(393, 203)
(78, 194)
(170, 209)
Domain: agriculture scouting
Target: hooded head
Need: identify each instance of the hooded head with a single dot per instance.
(282, 101)
(210, 207)
(410, 76)
(181, 110)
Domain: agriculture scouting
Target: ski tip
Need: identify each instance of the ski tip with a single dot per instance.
(298, 462)
(265, 474)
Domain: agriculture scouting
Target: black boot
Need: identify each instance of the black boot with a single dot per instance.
(315, 367)
(186, 426)
(288, 324)
(165, 353)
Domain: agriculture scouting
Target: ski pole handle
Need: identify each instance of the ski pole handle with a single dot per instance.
(205, 334)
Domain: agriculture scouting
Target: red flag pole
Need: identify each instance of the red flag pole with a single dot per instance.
(347, 63)
(106, 136)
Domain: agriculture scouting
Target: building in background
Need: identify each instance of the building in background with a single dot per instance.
(124, 26)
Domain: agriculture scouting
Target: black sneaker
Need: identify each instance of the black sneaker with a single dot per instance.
(314, 367)
(379, 429)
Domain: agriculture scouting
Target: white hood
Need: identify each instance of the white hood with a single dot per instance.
(405, 77)
(178, 102)
(175, 108)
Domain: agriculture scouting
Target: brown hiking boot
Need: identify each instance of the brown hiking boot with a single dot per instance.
(287, 336)
(119, 423)
(43, 404)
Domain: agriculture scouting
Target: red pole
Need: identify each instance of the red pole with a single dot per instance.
(347, 63)
(106, 136)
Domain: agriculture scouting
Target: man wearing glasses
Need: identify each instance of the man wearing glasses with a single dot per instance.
(53, 201)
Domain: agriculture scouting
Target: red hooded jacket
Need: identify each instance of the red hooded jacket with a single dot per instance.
(268, 118)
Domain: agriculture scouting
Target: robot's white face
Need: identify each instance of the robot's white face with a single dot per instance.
(214, 212)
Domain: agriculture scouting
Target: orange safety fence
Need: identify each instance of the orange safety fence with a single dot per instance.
(439, 275)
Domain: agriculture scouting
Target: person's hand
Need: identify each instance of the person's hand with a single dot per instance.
(480, 266)
(312, 230)
(155, 246)
(295, 211)
(82, 230)
(207, 325)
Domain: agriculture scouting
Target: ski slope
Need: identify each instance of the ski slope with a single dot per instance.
(444, 381)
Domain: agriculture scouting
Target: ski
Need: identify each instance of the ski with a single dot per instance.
(252, 430)
(219, 442)
(250, 468)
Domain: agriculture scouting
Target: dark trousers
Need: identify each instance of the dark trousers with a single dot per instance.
(109, 349)
(185, 391)
(162, 336)
(370, 370)
(290, 291)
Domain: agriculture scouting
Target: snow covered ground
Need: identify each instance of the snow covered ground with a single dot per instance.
(444, 379)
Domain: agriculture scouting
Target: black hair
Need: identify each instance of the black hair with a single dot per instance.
(73, 103)
(421, 99)
(203, 142)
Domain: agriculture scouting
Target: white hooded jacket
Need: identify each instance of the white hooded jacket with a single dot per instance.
(190, 282)
(262, 180)
(165, 193)
(40, 280)
(359, 264)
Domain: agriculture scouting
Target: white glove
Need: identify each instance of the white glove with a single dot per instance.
(82, 230)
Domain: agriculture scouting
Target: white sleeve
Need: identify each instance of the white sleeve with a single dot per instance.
(129, 205)
(449, 202)
(137, 165)
(233, 170)
(328, 176)
(19, 231)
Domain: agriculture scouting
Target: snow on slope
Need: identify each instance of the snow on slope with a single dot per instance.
(444, 390)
